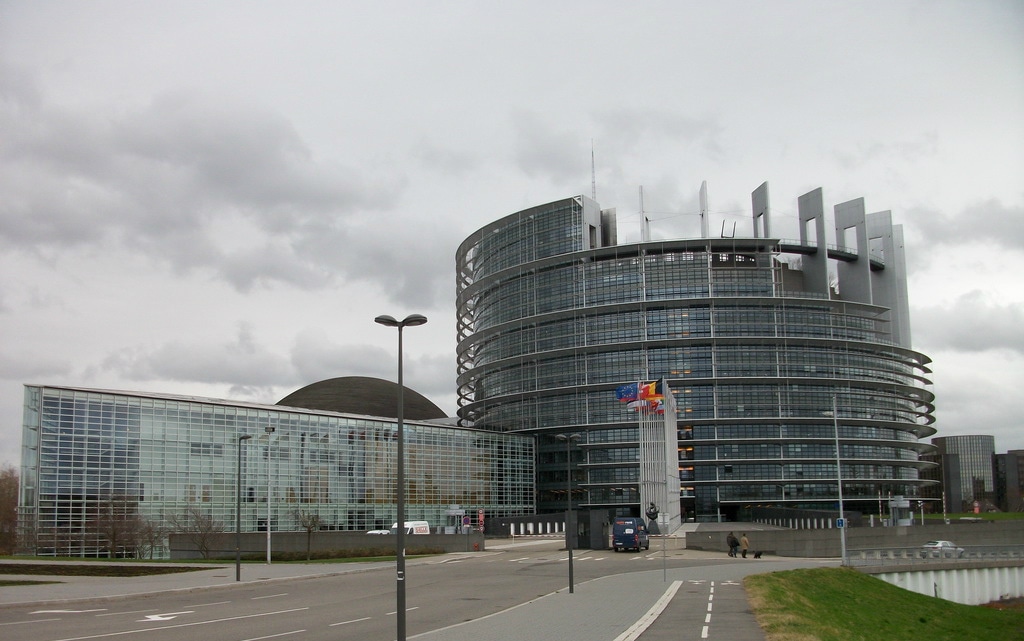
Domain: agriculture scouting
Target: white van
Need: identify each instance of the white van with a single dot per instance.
(413, 527)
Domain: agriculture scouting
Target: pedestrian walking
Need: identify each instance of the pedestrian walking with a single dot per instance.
(744, 544)
(733, 544)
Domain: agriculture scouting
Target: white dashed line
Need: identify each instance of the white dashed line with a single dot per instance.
(347, 622)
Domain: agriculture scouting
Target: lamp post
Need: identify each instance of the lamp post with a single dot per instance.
(409, 321)
(569, 440)
(238, 507)
(269, 430)
(839, 482)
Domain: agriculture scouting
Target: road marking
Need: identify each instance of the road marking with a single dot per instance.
(634, 631)
(206, 605)
(163, 617)
(407, 610)
(707, 618)
(347, 622)
(117, 614)
(271, 636)
(68, 611)
(519, 559)
(269, 596)
(32, 621)
(181, 625)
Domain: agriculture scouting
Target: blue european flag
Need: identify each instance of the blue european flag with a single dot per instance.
(626, 393)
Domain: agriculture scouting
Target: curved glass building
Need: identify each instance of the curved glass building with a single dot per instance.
(789, 360)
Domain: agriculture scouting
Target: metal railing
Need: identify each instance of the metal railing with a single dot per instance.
(917, 555)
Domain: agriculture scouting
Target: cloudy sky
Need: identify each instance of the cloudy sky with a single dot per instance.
(217, 198)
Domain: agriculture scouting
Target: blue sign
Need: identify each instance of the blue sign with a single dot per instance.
(840, 523)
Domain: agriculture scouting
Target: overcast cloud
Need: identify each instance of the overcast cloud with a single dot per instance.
(217, 198)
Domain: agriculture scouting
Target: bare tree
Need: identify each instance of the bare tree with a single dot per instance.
(151, 535)
(118, 522)
(198, 527)
(310, 521)
(8, 508)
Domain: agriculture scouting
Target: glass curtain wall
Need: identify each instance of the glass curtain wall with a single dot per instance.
(89, 454)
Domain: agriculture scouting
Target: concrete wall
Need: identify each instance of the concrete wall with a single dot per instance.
(222, 546)
(826, 543)
(970, 585)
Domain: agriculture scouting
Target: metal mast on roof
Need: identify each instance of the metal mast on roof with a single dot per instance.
(593, 173)
(704, 232)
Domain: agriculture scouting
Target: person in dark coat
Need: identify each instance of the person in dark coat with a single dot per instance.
(733, 544)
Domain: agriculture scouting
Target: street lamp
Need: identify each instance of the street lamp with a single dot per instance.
(238, 507)
(839, 482)
(269, 429)
(569, 440)
(409, 321)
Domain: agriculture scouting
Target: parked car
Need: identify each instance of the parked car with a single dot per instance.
(378, 532)
(942, 548)
(629, 533)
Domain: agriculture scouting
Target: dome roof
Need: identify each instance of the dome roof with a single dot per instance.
(362, 395)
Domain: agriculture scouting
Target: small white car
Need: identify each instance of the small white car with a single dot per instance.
(942, 548)
(378, 532)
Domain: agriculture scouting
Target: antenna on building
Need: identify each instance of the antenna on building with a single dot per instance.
(645, 227)
(704, 233)
(593, 173)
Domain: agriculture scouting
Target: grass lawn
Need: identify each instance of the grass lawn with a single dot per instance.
(136, 567)
(56, 568)
(841, 604)
(5, 583)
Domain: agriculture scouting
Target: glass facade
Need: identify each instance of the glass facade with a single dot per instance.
(87, 452)
(976, 460)
(757, 362)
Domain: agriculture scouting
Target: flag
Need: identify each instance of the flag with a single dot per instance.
(656, 406)
(626, 393)
(651, 391)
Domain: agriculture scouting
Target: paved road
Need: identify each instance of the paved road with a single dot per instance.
(511, 591)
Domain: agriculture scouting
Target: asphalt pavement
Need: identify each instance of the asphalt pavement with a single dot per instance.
(703, 602)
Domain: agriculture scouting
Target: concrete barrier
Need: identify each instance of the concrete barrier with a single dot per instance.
(222, 546)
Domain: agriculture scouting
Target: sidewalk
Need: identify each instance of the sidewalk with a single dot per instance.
(76, 588)
(648, 605)
(615, 608)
